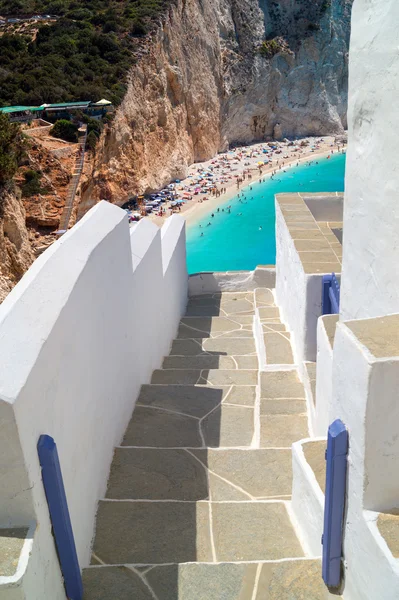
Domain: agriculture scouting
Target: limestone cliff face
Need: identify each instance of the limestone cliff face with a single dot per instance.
(16, 254)
(218, 72)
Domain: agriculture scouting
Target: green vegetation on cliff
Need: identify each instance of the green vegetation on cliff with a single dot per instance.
(85, 54)
(12, 149)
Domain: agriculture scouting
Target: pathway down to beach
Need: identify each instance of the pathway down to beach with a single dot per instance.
(198, 500)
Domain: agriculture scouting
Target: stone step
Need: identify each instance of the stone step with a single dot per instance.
(205, 377)
(283, 417)
(264, 297)
(137, 532)
(168, 416)
(278, 348)
(290, 580)
(388, 526)
(210, 361)
(12, 541)
(208, 474)
(223, 304)
(281, 384)
(216, 327)
(214, 346)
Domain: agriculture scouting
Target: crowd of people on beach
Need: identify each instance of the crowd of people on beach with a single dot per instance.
(234, 170)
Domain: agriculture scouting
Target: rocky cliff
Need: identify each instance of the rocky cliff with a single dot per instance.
(16, 253)
(219, 72)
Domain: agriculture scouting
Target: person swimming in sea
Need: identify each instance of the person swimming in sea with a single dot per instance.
(260, 227)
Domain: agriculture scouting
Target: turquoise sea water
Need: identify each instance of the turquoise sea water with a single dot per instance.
(240, 242)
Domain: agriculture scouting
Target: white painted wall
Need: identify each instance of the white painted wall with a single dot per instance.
(78, 336)
(370, 280)
(298, 295)
(307, 501)
(358, 396)
(322, 409)
(175, 277)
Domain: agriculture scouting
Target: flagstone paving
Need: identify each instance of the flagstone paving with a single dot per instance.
(198, 500)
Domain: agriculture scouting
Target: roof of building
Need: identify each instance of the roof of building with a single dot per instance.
(62, 105)
(12, 109)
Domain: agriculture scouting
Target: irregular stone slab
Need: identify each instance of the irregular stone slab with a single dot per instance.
(296, 580)
(282, 407)
(205, 376)
(220, 490)
(228, 426)
(230, 377)
(114, 583)
(11, 543)
(281, 384)
(240, 395)
(196, 401)
(278, 348)
(268, 326)
(198, 346)
(160, 429)
(152, 532)
(253, 531)
(224, 305)
(260, 473)
(203, 582)
(264, 297)
(201, 327)
(281, 431)
(388, 526)
(269, 312)
(179, 377)
(315, 456)
(237, 333)
(141, 473)
(291, 580)
(210, 362)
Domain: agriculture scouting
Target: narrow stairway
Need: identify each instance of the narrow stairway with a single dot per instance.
(198, 500)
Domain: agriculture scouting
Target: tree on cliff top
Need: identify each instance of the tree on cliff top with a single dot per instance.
(65, 130)
(11, 149)
(85, 54)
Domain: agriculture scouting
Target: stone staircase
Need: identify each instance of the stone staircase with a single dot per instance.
(198, 501)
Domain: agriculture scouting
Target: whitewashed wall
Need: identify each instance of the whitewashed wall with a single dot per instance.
(370, 280)
(298, 294)
(78, 336)
(321, 411)
(365, 399)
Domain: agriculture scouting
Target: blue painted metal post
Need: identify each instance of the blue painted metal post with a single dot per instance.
(336, 456)
(325, 296)
(60, 519)
(335, 293)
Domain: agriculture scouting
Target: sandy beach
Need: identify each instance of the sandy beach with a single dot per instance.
(244, 163)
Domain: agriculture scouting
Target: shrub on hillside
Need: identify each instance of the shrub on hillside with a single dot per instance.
(31, 185)
(12, 149)
(270, 48)
(91, 141)
(65, 130)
